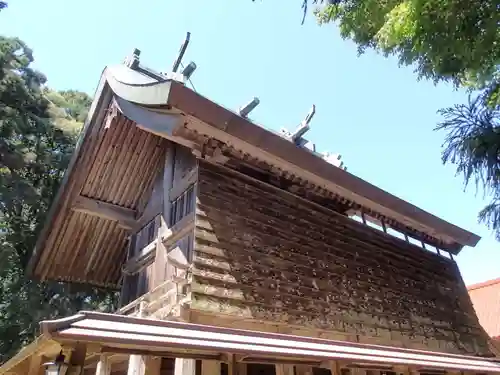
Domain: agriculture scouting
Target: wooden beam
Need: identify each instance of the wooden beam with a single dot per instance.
(124, 216)
(112, 350)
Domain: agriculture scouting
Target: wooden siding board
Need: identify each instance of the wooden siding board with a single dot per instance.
(181, 164)
(273, 257)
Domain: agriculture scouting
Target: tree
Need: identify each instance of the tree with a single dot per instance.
(453, 41)
(38, 131)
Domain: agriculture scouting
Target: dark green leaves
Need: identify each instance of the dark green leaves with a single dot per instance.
(38, 132)
(456, 41)
(452, 40)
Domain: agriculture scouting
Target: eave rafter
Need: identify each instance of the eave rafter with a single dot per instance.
(216, 151)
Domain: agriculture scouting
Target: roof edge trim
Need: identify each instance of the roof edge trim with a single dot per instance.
(225, 125)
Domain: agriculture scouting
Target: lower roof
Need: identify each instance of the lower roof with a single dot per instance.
(169, 338)
(485, 298)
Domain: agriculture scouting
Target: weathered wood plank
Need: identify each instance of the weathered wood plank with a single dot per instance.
(269, 256)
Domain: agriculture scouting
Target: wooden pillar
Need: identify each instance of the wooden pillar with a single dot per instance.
(75, 356)
(304, 370)
(358, 371)
(241, 368)
(335, 367)
(36, 367)
(142, 365)
(152, 365)
(210, 367)
(286, 370)
(136, 365)
(103, 366)
(184, 366)
(231, 364)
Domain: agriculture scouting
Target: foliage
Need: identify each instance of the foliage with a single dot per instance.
(454, 41)
(38, 131)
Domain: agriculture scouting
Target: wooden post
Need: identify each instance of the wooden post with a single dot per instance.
(184, 366)
(142, 364)
(304, 370)
(282, 369)
(36, 367)
(231, 365)
(335, 367)
(103, 366)
(136, 365)
(358, 371)
(210, 367)
(152, 365)
(76, 359)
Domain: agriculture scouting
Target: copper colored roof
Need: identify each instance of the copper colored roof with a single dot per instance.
(485, 297)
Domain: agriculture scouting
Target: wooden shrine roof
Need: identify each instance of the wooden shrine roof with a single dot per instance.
(122, 148)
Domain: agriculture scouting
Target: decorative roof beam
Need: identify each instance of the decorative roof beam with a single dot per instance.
(182, 51)
(108, 211)
(245, 110)
(297, 137)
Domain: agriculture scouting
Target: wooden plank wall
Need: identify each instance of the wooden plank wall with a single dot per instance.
(184, 176)
(147, 278)
(171, 183)
(264, 255)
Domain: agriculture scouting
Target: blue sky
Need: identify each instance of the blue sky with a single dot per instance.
(367, 108)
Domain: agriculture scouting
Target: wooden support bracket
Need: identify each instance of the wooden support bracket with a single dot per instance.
(76, 358)
(124, 216)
